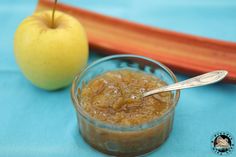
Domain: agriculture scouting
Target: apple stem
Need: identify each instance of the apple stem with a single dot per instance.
(53, 14)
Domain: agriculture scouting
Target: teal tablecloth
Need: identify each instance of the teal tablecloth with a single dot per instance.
(34, 122)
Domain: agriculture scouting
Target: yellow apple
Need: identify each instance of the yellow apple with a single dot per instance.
(50, 56)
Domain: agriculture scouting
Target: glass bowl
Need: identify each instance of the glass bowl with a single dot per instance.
(121, 140)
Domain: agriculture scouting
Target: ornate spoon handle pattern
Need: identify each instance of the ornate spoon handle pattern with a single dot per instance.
(201, 80)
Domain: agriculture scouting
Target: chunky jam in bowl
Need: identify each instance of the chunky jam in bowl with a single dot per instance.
(113, 116)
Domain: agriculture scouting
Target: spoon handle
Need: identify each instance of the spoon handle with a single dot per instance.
(201, 80)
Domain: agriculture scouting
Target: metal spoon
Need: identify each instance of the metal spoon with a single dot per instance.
(201, 80)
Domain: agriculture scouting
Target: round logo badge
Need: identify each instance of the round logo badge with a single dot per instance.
(222, 143)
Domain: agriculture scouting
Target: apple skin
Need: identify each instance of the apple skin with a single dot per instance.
(50, 57)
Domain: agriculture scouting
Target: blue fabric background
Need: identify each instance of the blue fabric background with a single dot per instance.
(34, 122)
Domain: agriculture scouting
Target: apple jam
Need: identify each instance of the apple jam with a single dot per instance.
(115, 98)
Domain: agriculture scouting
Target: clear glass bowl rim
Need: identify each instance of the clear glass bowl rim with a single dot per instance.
(102, 124)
